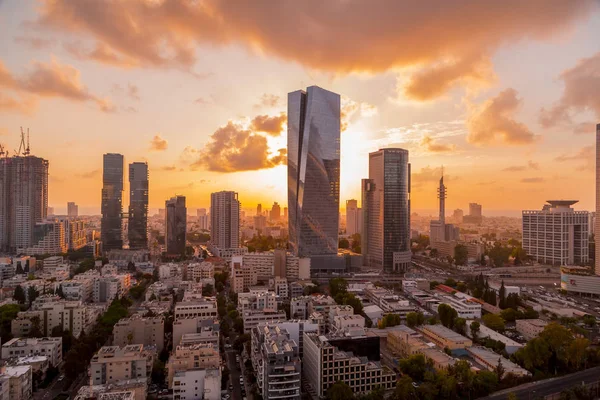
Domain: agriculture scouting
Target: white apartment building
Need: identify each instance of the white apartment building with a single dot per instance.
(281, 287)
(299, 307)
(241, 276)
(347, 322)
(195, 356)
(70, 315)
(113, 363)
(149, 331)
(109, 287)
(200, 271)
(196, 330)
(170, 270)
(203, 309)
(324, 364)
(253, 318)
(197, 384)
(465, 307)
(50, 347)
(258, 298)
(20, 381)
(557, 234)
(530, 328)
(80, 289)
(276, 362)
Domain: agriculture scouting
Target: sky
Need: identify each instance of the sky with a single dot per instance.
(504, 95)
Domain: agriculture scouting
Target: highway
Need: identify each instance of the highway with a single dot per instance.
(550, 386)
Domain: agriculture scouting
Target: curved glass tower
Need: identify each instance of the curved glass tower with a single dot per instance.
(313, 171)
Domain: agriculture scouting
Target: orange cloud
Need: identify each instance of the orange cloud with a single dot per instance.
(494, 121)
(430, 145)
(35, 43)
(234, 148)
(582, 85)
(586, 154)
(158, 143)
(269, 100)
(23, 106)
(518, 168)
(52, 80)
(323, 35)
(101, 53)
(270, 125)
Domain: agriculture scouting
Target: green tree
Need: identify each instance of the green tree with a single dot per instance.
(36, 328)
(158, 372)
(461, 254)
(19, 295)
(461, 287)
(447, 315)
(502, 296)
(389, 320)
(475, 327)
(577, 353)
(484, 383)
(414, 366)
(207, 290)
(460, 325)
(404, 389)
(339, 391)
(450, 282)
(344, 243)
(59, 292)
(337, 286)
(508, 314)
(32, 293)
(433, 285)
(494, 321)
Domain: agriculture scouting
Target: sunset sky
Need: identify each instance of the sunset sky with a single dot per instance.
(504, 94)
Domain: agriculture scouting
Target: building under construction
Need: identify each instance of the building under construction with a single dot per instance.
(23, 196)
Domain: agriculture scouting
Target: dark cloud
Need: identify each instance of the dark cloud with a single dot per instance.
(271, 125)
(493, 121)
(234, 148)
(158, 143)
(536, 179)
(582, 85)
(429, 144)
(452, 49)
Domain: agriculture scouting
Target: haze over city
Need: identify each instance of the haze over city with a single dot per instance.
(503, 95)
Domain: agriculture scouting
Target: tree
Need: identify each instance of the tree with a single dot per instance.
(508, 314)
(461, 254)
(389, 320)
(499, 370)
(502, 295)
(344, 243)
(461, 287)
(414, 366)
(433, 285)
(411, 319)
(577, 352)
(158, 372)
(339, 391)
(207, 290)
(494, 321)
(19, 295)
(60, 292)
(36, 330)
(404, 389)
(474, 330)
(450, 282)
(589, 320)
(447, 315)
(32, 293)
(337, 286)
(460, 325)
(484, 383)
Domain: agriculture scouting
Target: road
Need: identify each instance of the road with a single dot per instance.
(234, 374)
(547, 387)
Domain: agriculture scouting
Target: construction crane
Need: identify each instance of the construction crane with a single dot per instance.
(24, 148)
(2, 152)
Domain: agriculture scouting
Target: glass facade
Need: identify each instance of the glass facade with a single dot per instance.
(112, 202)
(386, 211)
(138, 205)
(313, 171)
(175, 225)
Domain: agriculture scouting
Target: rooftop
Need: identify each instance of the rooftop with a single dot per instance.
(444, 332)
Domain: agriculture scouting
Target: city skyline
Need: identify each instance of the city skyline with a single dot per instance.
(529, 130)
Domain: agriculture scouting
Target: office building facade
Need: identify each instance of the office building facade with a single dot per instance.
(138, 206)
(557, 234)
(313, 171)
(354, 217)
(175, 225)
(112, 202)
(386, 211)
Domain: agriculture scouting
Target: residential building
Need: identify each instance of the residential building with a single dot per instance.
(187, 357)
(200, 271)
(196, 330)
(79, 289)
(530, 328)
(313, 171)
(130, 389)
(295, 329)
(203, 309)
(149, 331)
(475, 215)
(242, 276)
(20, 381)
(197, 384)
(109, 287)
(276, 363)
(258, 298)
(490, 361)
(281, 287)
(354, 218)
(138, 206)
(112, 202)
(4, 385)
(225, 221)
(23, 199)
(72, 210)
(73, 316)
(50, 347)
(48, 238)
(446, 338)
(253, 318)
(352, 360)
(113, 363)
(557, 234)
(175, 225)
(404, 342)
(75, 233)
(203, 219)
(386, 211)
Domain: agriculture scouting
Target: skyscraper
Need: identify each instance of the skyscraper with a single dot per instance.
(112, 202)
(175, 225)
(475, 215)
(354, 217)
(386, 211)
(23, 199)
(138, 205)
(72, 210)
(597, 227)
(259, 209)
(275, 212)
(313, 171)
(225, 220)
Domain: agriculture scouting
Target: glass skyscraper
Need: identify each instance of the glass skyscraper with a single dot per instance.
(313, 171)
(112, 202)
(175, 225)
(138, 205)
(386, 211)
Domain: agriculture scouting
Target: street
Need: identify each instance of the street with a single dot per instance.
(234, 374)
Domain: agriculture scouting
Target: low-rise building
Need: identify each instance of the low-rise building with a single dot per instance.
(465, 307)
(276, 362)
(446, 338)
(258, 298)
(50, 347)
(20, 381)
(81, 289)
(203, 330)
(149, 331)
(490, 361)
(242, 277)
(253, 318)
(113, 363)
(195, 356)
(131, 389)
(200, 271)
(484, 332)
(530, 328)
(197, 384)
(204, 309)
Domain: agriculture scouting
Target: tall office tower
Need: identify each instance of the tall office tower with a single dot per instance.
(72, 210)
(23, 199)
(225, 220)
(354, 217)
(175, 225)
(285, 213)
(557, 234)
(112, 202)
(597, 224)
(275, 212)
(313, 171)
(138, 206)
(259, 209)
(386, 208)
